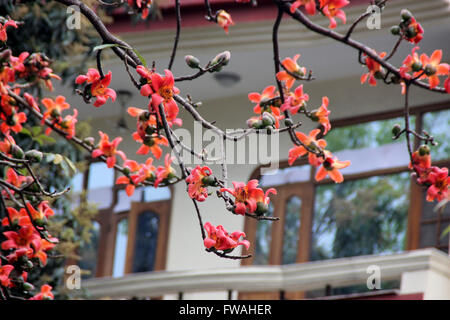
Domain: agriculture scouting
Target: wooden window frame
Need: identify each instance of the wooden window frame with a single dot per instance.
(307, 211)
(108, 221)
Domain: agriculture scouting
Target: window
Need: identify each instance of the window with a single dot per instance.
(376, 210)
(130, 233)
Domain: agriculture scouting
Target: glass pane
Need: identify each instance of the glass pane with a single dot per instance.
(286, 175)
(77, 182)
(263, 239)
(371, 140)
(156, 194)
(124, 201)
(291, 230)
(437, 124)
(89, 252)
(361, 217)
(100, 183)
(120, 250)
(146, 242)
(100, 176)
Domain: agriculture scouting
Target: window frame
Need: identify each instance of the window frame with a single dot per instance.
(109, 220)
(414, 215)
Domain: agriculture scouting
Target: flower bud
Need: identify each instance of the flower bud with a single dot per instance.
(261, 208)
(424, 150)
(209, 181)
(396, 129)
(221, 59)
(395, 30)
(17, 152)
(34, 155)
(406, 15)
(27, 286)
(411, 32)
(288, 122)
(192, 61)
(416, 66)
(430, 70)
(267, 119)
(89, 140)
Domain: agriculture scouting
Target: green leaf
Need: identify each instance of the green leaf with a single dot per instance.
(58, 159)
(25, 131)
(71, 165)
(45, 138)
(36, 130)
(444, 233)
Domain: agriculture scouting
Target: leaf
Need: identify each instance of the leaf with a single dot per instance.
(444, 233)
(45, 138)
(25, 131)
(71, 165)
(58, 159)
(36, 130)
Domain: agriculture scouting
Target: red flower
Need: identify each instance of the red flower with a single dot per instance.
(224, 20)
(8, 23)
(310, 6)
(292, 66)
(20, 217)
(7, 144)
(331, 167)
(99, 86)
(440, 182)
(411, 63)
(322, 114)
(375, 70)
(45, 294)
(246, 196)
(14, 179)
(433, 68)
(332, 9)
(197, 180)
(26, 237)
(41, 253)
(108, 149)
(54, 108)
(267, 94)
(219, 239)
(67, 125)
(311, 142)
(163, 174)
(295, 100)
(131, 166)
(12, 122)
(414, 33)
(4, 275)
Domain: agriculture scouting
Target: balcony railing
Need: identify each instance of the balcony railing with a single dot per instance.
(425, 271)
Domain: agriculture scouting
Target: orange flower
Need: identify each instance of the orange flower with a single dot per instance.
(224, 20)
(12, 122)
(67, 125)
(19, 218)
(440, 182)
(198, 182)
(164, 174)
(108, 149)
(332, 9)
(45, 294)
(99, 86)
(131, 166)
(375, 70)
(311, 142)
(322, 114)
(292, 66)
(8, 23)
(267, 94)
(310, 6)
(433, 68)
(411, 63)
(27, 237)
(331, 167)
(247, 196)
(219, 239)
(54, 108)
(5, 271)
(295, 100)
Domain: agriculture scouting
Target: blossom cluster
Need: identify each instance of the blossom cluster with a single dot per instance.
(434, 178)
